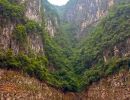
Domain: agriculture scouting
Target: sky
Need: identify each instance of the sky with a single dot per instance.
(58, 2)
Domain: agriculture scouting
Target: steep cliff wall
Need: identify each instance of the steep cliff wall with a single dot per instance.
(15, 86)
(83, 13)
(34, 42)
(51, 18)
(119, 50)
(33, 10)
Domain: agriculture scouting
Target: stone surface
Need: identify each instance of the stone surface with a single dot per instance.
(15, 86)
(84, 13)
(34, 41)
(121, 49)
(52, 20)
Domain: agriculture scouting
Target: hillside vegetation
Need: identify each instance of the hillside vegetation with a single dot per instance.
(75, 68)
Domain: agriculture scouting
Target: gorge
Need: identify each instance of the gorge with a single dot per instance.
(79, 51)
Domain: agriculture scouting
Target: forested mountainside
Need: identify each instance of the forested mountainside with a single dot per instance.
(84, 13)
(42, 41)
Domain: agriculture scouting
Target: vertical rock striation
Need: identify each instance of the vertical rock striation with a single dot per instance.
(34, 41)
(121, 49)
(84, 13)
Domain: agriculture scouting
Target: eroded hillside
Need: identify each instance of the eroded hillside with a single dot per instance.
(15, 85)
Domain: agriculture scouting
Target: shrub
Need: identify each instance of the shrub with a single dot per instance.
(32, 27)
(20, 34)
(11, 11)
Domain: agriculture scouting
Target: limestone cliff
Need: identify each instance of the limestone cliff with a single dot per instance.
(84, 13)
(34, 42)
(33, 10)
(15, 85)
(51, 18)
(121, 49)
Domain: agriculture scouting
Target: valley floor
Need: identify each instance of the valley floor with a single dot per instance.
(15, 86)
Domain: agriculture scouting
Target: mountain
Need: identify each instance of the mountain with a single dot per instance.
(84, 13)
(79, 51)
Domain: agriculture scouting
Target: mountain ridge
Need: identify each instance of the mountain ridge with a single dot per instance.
(37, 41)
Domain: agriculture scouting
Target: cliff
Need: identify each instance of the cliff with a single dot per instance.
(85, 13)
(32, 11)
(97, 69)
(120, 50)
(52, 21)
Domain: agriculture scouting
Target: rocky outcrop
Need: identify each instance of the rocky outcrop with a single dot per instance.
(15, 86)
(51, 18)
(121, 49)
(50, 27)
(34, 41)
(115, 87)
(5, 35)
(33, 10)
(84, 13)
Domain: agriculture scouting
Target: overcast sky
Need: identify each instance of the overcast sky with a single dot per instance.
(58, 2)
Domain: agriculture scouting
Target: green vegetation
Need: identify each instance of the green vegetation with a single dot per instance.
(24, 28)
(11, 11)
(70, 67)
(37, 66)
(20, 34)
(33, 27)
(33, 65)
(74, 68)
(113, 29)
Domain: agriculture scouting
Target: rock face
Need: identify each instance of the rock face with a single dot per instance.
(33, 10)
(50, 27)
(112, 88)
(15, 86)
(34, 42)
(52, 20)
(121, 49)
(84, 13)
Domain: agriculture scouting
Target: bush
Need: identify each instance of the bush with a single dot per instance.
(11, 11)
(32, 27)
(34, 65)
(20, 34)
